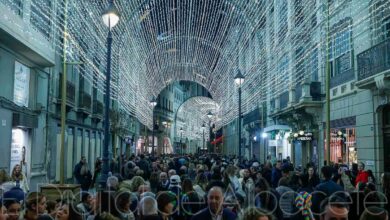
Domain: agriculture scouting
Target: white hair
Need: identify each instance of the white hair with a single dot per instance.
(148, 206)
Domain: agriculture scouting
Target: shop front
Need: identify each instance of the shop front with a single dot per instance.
(305, 148)
(278, 146)
(343, 148)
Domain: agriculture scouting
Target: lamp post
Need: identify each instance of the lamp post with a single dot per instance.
(239, 80)
(209, 115)
(181, 136)
(153, 103)
(264, 135)
(110, 18)
(203, 127)
(215, 139)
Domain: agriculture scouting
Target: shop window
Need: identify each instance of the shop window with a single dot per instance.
(342, 145)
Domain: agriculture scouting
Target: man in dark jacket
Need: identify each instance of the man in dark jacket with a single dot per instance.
(82, 174)
(325, 189)
(144, 165)
(276, 174)
(215, 209)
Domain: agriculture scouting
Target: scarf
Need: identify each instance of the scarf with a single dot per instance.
(303, 203)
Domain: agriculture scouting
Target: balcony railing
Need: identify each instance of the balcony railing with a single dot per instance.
(85, 101)
(97, 108)
(344, 77)
(70, 92)
(374, 60)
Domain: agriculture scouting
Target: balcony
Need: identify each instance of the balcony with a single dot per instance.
(97, 110)
(84, 102)
(344, 77)
(70, 93)
(373, 62)
(304, 97)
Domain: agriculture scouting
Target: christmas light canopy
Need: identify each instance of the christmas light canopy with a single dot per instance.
(279, 45)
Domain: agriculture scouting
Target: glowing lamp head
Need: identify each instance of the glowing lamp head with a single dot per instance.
(239, 78)
(111, 15)
(153, 102)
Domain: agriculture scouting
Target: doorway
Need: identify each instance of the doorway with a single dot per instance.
(298, 153)
(20, 150)
(386, 138)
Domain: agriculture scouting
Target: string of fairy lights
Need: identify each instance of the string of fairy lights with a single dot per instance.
(277, 44)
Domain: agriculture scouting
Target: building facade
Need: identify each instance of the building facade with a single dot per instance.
(31, 77)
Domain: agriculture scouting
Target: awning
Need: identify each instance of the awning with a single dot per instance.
(216, 141)
(276, 127)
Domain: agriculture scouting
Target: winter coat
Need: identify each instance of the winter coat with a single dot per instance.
(361, 177)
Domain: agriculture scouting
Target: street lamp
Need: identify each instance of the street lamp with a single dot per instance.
(153, 103)
(239, 80)
(110, 18)
(209, 115)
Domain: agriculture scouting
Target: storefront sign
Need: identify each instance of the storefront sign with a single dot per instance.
(21, 84)
(305, 137)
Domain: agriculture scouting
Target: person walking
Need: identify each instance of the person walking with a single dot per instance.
(215, 208)
(83, 174)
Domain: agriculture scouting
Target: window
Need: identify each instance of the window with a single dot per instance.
(299, 15)
(41, 16)
(314, 65)
(340, 48)
(386, 27)
(282, 19)
(16, 6)
(283, 73)
(380, 20)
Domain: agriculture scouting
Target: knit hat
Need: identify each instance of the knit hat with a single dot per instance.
(175, 180)
(255, 164)
(16, 193)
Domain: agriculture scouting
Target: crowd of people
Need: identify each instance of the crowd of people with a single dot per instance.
(201, 187)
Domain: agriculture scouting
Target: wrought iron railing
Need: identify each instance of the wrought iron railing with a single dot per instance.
(70, 91)
(97, 107)
(85, 101)
(374, 60)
